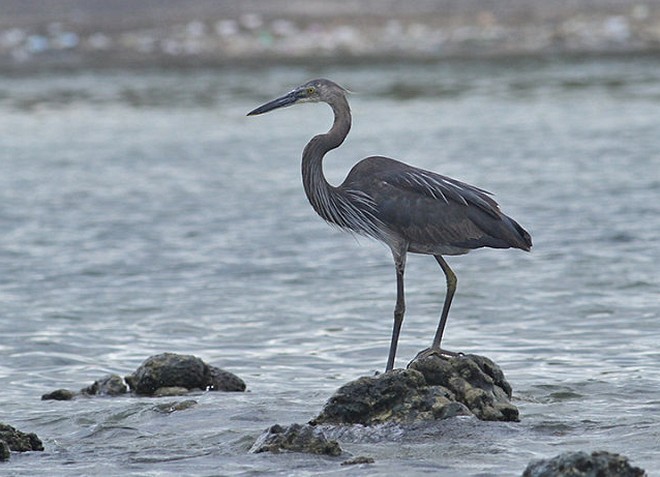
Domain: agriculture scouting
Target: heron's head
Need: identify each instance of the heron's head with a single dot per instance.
(314, 91)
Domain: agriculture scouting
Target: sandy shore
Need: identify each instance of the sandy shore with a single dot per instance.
(93, 33)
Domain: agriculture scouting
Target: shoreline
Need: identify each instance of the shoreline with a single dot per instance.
(80, 34)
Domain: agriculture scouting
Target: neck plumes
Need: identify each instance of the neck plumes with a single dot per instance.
(321, 195)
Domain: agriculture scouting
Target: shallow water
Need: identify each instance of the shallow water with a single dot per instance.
(142, 212)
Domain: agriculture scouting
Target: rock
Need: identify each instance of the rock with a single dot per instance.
(169, 370)
(111, 385)
(4, 451)
(169, 391)
(295, 438)
(359, 460)
(166, 374)
(170, 407)
(475, 381)
(582, 464)
(401, 396)
(20, 441)
(432, 388)
(221, 380)
(59, 395)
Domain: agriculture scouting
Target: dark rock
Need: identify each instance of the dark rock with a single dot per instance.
(59, 395)
(475, 381)
(359, 460)
(221, 380)
(4, 451)
(166, 374)
(432, 388)
(582, 464)
(183, 371)
(169, 391)
(111, 385)
(295, 438)
(167, 370)
(20, 441)
(401, 395)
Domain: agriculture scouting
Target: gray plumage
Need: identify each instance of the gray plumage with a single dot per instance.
(409, 209)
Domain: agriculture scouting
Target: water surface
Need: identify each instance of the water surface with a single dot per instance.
(142, 212)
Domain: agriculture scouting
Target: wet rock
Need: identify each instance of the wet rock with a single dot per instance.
(168, 370)
(166, 374)
(59, 395)
(432, 388)
(401, 396)
(475, 381)
(170, 407)
(221, 380)
(185, 371)
(296, 438)
(111, 385)
(583, 464)
(4, 451)
(359, 460)
(169, 391)
(18, 441)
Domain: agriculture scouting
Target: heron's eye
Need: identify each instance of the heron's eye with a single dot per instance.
(311, 90)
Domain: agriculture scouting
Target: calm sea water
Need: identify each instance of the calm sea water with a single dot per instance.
(142, 212)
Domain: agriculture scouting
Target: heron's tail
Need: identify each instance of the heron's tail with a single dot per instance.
(521, 238)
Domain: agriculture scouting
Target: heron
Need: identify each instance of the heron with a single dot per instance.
(411, 210)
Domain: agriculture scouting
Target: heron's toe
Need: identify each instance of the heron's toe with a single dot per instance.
(428, 352)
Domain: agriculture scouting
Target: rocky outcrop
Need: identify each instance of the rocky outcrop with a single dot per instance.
(166, 374)
(170, 370)
(583, 464)
(11, 439)
(435, 387)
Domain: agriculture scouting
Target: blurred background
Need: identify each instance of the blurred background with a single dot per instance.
(79, 33)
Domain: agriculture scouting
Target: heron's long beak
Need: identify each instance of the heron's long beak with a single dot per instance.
(286, 100)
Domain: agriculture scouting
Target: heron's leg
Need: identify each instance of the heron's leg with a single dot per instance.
(451, 289)
(435, 348)
(399, 308)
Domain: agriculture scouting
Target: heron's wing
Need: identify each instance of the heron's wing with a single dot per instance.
(442, 188)
(433, 213)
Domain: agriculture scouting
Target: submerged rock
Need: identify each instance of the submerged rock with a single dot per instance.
(295, 438)
(359, 460)
(4, 451)
(17, 441)
(111, 385)
(170, 407)
(166, 374)
(435, 387)
(59, 395)
(583, 464)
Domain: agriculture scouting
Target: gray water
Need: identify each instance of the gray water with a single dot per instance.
(142, 212)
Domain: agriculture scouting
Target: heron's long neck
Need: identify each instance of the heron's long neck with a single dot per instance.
(322, 195)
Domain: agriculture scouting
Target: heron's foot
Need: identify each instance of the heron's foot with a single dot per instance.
(435, 352)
